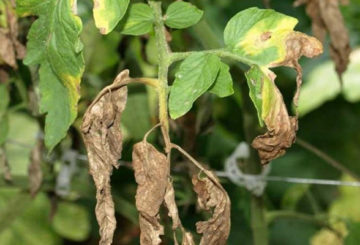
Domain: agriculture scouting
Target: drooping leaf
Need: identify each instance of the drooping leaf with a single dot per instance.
(327, 18)
(10, 48)
(223, 85)
(140, 20)
(108, 13)
(71, 221)
(151, 174)
(54, 44)
(258, 35)
(196, 75)
(103, 141)
(213, 198)
(169, 199)
(182, 15)
(272, 110)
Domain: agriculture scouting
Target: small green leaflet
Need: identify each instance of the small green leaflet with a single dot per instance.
(139, 20)
(54, 44)
(196, 75)
(258, 35)
(108, 13)
(182, 15)
(71, 221)
(223, 85)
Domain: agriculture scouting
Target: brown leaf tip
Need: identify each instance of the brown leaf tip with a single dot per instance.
(274, 143)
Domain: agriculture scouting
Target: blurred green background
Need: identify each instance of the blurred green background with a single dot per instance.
(63, 211)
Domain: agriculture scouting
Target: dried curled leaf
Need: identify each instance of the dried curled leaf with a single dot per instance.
(212, 197)
(34, 170)
(10, 48)
(169, 200)
(327, 18)
(151, 174)
(268, 99)
(103, 140)
(297, 45)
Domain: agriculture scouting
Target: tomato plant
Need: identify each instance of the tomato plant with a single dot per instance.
(175, 79)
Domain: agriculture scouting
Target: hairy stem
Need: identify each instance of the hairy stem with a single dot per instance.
(222, 53)
(164, 63)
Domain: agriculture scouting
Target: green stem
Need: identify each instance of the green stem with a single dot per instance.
(164, 63)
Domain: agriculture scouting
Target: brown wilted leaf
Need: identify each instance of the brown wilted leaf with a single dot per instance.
(7, 51)
(151, 174)
(169, 199)
(4, 76)
(212, 197)
(297, 45)
(103, 140)
(10, 48)
(281, 128)
(327, 18)
(34, 170)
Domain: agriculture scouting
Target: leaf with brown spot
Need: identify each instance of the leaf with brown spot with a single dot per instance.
(327, 18)
(34, 170)
(103, 140)
(297, 45)
(212, 197)
(151, 174)
(268, 99)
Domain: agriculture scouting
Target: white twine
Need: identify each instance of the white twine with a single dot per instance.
(254, 183)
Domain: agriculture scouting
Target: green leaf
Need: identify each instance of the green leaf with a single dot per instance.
(195, 76)
(29, 224)
(258, 35)
(71, 221)
(182, 15)
(54, 44)
(139, 21)
(108, 13)
(223, 85)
